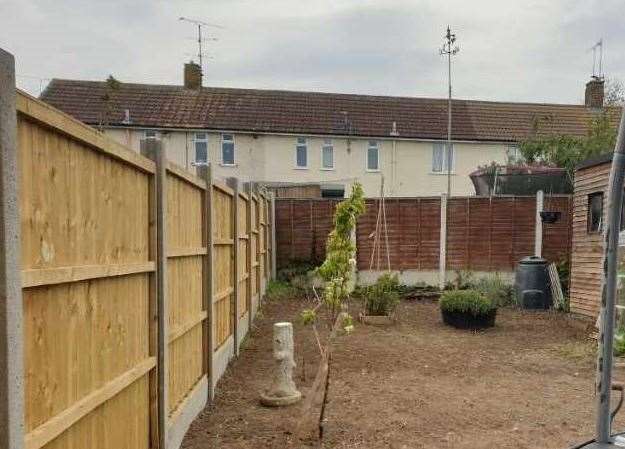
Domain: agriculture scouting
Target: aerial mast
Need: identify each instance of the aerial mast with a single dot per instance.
(200, 24)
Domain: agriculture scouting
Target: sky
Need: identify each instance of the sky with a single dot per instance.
(534, 51)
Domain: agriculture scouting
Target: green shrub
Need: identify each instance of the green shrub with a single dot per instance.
(466, 301)
(619, 341)
(382, 297)
(500, 292)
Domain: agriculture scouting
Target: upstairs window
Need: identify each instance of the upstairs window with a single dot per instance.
(327, 155)
(373, 156)
(200, 142)
(595, 212)
(442, 158)
(227, 149)
(301, 153)
(151, 134)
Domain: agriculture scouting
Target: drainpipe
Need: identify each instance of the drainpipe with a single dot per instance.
(608, 300)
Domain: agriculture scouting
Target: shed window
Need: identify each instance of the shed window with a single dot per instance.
(595, 212)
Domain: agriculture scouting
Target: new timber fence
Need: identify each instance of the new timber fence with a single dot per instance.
(137, 283)
(484, 234)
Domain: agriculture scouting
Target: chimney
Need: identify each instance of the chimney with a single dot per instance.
(192, 75)
(594, 93)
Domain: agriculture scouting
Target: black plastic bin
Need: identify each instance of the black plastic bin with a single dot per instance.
(531, 283)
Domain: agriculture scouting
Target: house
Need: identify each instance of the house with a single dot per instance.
(274, 136)
(587, 252)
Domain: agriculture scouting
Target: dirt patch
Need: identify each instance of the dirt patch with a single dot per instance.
(526, 383)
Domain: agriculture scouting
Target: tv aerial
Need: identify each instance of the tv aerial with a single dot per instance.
(200, 24)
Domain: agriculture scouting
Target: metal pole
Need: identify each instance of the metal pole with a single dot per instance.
(606, 335)
(448, 152)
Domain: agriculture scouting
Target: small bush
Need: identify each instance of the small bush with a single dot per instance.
(382, 297)
(466, 301)
(500, 292)
(619, 342)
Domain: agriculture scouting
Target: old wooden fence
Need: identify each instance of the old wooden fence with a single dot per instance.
(483, 234)
(139, 282)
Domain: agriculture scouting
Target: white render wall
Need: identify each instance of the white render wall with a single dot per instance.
(406, 166)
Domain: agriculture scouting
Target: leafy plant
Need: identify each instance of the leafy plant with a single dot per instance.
(497, 290)
(382, 297)
(337, 268)
(619, 341)
(466, 301)
(567, 151)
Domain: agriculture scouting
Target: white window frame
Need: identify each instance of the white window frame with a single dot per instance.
(155, 136)
(370, 146)
(443, 170)
(517, 158)
(234, 152)
(196, 140)
(301, 142)
(327, 144)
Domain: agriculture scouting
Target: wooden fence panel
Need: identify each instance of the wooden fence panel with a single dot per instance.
(86, 261)
(243, 262)
(185, 306)
(483, 234)
(255, 248)
(223, 254)
(128, 278)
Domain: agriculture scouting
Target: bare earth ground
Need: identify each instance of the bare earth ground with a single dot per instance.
(527, 383)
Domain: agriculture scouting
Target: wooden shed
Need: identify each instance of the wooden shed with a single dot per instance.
(589, 215)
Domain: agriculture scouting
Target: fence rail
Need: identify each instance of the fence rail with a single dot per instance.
(483, 234)
(139, 281)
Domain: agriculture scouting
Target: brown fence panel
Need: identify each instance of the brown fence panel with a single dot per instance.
(483, 234)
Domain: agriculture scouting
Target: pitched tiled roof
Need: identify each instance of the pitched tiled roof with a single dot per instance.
(275, 111)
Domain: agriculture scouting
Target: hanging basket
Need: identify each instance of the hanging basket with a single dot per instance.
(549, 216)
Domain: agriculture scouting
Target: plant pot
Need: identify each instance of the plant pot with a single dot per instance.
(465, 320)
(377, 320)
(548, 216)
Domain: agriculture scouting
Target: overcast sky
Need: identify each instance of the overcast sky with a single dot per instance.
(509, 50)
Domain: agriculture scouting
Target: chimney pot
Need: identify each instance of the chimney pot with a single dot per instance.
(192, 75)
(594, 93)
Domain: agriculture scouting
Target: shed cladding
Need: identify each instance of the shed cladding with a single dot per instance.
(587, 247)
(275, 111)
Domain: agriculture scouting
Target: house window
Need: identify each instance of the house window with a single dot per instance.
(513, 155)
(301, 153)
(442, 158)
(227, 149)
(201, 148)
(373, 156)
(327, 155)
(151, 134)
(595, 212)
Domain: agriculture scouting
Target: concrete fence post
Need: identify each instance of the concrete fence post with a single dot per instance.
(205, 172)
(153, 149)
(538, 235)
(442, 257)
(11, 344)
(274, 268)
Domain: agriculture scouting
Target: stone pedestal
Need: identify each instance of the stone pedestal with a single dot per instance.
(282, 390)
